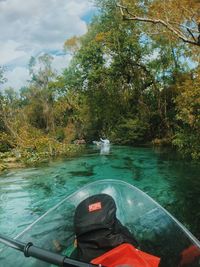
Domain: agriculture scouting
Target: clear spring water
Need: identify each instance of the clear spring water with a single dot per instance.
(26, 194)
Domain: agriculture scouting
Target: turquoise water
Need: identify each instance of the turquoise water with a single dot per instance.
(27, 193)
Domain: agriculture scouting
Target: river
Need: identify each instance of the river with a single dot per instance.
(25, 194)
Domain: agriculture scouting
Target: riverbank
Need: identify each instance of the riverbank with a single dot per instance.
(18, 158)
(36, 155)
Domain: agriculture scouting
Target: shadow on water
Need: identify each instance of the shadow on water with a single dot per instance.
(186, 186)
(183, 196)
(81, 173)
(89, 170)
(129, 165)
(136, 170)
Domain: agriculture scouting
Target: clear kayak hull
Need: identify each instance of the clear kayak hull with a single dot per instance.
(157, 232)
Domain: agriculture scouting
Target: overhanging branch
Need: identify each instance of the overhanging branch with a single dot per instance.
(127, 15)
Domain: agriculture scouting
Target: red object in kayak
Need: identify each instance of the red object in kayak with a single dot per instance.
(189, 255)
(128, 255)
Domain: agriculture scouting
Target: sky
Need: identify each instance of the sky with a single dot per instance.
(32, 27)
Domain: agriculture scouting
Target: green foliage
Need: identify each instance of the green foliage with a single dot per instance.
(188, 144)
(131, 131)
(42, 92)
(109, 71)
(122, 83)
(188, 115)
(2, 78)
(5, 142)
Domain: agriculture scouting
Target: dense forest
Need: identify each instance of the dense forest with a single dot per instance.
(134, 78)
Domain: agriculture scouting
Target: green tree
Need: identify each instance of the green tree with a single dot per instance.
(41, 94)
(121, 80)
(188, 115)
(2, 77)
(109, 71)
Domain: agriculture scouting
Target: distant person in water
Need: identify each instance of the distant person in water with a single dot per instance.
(105, 141)
(102, 142)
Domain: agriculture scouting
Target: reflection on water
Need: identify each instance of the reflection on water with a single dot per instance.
(105, 150)
(26, 194)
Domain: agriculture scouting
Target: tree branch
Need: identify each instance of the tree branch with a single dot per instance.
(124, 11)
(191, 34)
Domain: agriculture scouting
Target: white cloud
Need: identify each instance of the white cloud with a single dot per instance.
(17, 77)
(35, 26)
(60, 62)
(10, 51)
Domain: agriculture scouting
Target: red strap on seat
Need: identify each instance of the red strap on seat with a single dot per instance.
(127, 254)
